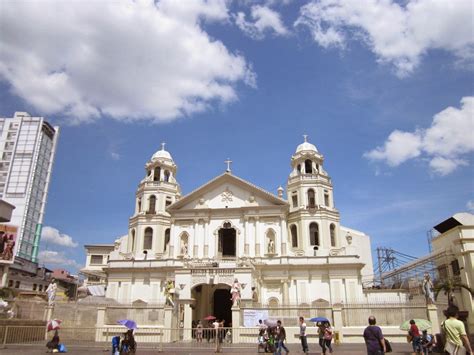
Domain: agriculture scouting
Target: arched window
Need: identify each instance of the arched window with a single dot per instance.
(332, 233)
(167, 239)
(313, 234)
(299, 168)
(148, 239)
(311, 198)
(294, 236)
(308, 166)
(139, 205)
(273, 302)
(167, 175)
(133, 240)
(152, 204)
(157, 174)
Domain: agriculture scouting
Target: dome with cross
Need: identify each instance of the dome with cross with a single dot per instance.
(162, 154)
(306, 146)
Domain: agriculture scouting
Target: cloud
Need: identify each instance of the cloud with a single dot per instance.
(396, 34)
(130, 60)
(265, 20)
(470, 205)
(52, 235)
(57, 258)
(444, 143)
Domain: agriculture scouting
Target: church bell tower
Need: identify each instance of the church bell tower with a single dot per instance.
(313, 221)
(149, 227)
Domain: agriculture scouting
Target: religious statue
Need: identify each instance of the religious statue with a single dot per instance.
(169, 293)
(271, 247)
(184, 248)
(428, 289)
(254, 295)
(51, 291)
(235, 292)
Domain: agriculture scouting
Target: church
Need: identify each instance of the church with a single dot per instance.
(283, 249)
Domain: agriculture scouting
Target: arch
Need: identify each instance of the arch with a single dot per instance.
(152, 204)
(157, 173)
(308, 166)
(314, 234)
(148, 238)
(167, 238)
(294, 236)
(299, 168)
(167, 175)
(139, 205)
(332, 233)
(133, 241)
(311, 198)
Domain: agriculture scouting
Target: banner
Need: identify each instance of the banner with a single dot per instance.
(252, 316)
(8, 236)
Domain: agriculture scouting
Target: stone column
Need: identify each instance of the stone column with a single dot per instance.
(235, 324)
(432, 311)
(188, 317)
(195, 239)
(337, 319)
(246, 236)
(48, 313)
(284, 236)
(168, 324)
(286, 292)
(257, 240)
(206, 238)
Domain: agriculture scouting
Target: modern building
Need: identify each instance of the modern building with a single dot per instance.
(282, 251)
(27, 150)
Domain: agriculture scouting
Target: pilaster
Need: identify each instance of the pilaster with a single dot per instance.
(432, 311)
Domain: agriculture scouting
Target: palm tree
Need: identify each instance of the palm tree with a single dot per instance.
(448, 287)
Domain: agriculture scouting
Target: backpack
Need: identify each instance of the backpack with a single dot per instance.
(327, 334)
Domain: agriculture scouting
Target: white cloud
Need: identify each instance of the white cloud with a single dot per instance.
(444, 143)
(396, 34)
(52, 235)
(131, 60)
(265, 20)
(57, 258)
(470, 205)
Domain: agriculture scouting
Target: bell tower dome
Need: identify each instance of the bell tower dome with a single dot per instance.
(313, 219)
(149, 227)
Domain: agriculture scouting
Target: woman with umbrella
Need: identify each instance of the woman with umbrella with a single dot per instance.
(129, 345)
(54, 342)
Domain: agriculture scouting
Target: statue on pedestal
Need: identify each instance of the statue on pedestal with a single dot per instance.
(235, 292)
(271, 247)
(51, 291)
(169, 293)
(184, 248)
(428, 289)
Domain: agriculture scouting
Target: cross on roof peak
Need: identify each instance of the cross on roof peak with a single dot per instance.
(228, 162)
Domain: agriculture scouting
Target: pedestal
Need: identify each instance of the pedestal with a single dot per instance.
(188, 321)
(168, 324)
(432, 311)
(235, 324)
(337, 318)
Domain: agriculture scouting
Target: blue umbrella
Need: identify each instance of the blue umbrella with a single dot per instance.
(319, 319)
(130, 324)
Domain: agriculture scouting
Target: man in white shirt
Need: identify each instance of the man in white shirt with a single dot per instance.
(304, 341)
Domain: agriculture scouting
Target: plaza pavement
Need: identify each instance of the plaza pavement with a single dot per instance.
(183, 349)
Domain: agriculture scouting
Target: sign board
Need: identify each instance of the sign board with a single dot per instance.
(8, 234)
(252, 316)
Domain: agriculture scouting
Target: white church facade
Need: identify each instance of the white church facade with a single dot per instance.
(283, 251)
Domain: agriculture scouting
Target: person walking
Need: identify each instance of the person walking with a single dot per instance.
(415, 335)
(199, 332)
(428, 341)
(325, 336)
(304, 341)
(457, 342)
(373, 337)
(281, 337)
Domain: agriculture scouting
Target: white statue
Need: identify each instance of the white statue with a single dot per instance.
(235, 292)
(184, 248)
(428, 289)
(51, 291)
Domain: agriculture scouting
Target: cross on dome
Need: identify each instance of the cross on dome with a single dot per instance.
(228, 162)
(305, 136)
(163, 145)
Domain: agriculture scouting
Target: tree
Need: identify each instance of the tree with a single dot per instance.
(448, 287)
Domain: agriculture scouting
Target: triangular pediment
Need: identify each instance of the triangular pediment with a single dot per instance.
(227, 191)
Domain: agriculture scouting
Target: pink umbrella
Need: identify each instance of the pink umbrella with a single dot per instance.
(53, 324)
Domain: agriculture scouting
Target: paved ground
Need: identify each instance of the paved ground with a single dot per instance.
(353, 349)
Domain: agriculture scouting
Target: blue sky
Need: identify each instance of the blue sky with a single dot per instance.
(383, 89)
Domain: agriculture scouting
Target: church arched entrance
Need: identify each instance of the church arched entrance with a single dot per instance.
(212, 300)
(222, 306)
(227, 242)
